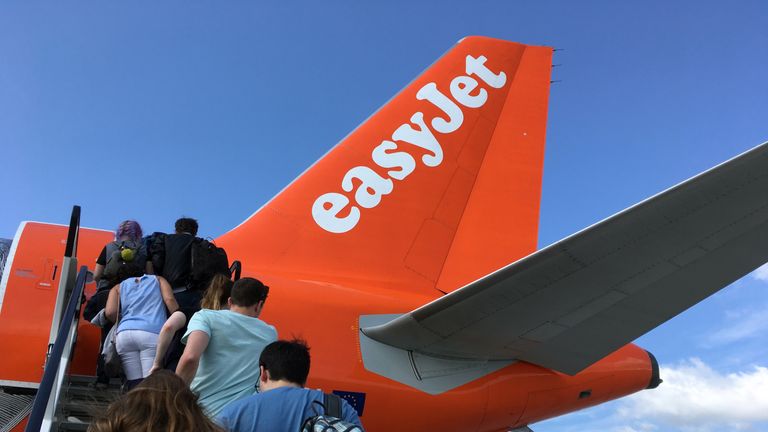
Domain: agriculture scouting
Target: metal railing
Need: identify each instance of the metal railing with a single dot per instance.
(63, 334)
(58, 360)
(68, 271)
(73, 234)
(235, 270)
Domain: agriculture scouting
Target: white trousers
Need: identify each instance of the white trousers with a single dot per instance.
(137, 352)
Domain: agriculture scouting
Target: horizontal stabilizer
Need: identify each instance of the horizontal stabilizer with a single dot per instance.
(571, 304)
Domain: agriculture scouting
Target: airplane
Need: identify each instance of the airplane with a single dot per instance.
(406, 256)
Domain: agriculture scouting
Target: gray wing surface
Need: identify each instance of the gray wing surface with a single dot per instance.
(569, 305)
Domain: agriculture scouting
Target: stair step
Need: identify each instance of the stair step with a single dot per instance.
(91, 393)
(73, 426)
(80, 408)
(84, 380)
(81, 401)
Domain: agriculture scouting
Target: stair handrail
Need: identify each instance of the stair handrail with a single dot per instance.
(73, 234)
(235, 270)
(50, 386)
(68, 272)
(63, 330)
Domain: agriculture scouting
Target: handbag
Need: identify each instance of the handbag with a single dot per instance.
(113, 366)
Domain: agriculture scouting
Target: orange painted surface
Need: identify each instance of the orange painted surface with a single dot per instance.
(88, 335)
(406, 238)
(437, 229)
(326, 315)
(20, 427)
(30, 296)
(437, 188)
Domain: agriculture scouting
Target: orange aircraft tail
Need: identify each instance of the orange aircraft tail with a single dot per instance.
(436, 189)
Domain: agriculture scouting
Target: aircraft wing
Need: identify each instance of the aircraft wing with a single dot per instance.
(569, 305)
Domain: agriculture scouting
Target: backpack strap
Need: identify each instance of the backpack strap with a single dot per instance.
(119, 315)
(332, 404)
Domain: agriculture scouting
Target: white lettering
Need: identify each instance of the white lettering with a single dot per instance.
(326, 209)
(462, 86)
(422, 138)
(476, 66)
(401, 160)
(371, 188)
(431, 94)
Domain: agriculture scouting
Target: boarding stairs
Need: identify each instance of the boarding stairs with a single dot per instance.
(64, 402)
(81, 402)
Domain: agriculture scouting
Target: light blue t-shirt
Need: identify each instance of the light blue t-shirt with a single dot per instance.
(229, 366)
(283, 409)
(141, 305)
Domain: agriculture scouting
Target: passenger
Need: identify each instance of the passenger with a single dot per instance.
(175, 262)
(142, 300)
(283, 403)
(128, 234)
(223, 347)
(214, 298)
(171, 257)
(217, 295)
(161, 403)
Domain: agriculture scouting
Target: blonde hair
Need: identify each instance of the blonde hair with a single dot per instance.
(162, 402)
(217, 293)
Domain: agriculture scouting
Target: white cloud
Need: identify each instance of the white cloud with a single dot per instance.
(745, 324)
(642, 427)
(694, 397)
(761, 273)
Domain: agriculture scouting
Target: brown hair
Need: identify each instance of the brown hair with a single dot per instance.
(247, 292)
(217, 293)
(162, 402)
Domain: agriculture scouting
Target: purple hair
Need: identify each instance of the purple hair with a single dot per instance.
(129, 229)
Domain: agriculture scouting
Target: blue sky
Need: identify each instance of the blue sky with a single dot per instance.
(152, 111)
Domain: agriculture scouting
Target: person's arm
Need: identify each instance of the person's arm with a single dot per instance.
(174, 323)
(101, 261)
(349, 414)
(168, 297)
(229, 417)
(197, 342)
(112, 303)
(98, 272)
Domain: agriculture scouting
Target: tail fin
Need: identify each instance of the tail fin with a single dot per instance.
(437, 188)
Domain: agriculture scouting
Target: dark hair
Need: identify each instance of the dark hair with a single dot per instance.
(128, 270)
(248, 291)
(286, 360)
(186, 225)
(162, 402)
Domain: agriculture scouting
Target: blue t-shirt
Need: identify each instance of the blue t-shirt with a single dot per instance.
(141, 305)
(283, 409)
(229, 366)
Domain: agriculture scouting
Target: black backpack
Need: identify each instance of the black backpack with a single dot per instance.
(156, 247)
(207, 261)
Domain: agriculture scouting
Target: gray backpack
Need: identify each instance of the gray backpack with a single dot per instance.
(120, 253)
(330, 420)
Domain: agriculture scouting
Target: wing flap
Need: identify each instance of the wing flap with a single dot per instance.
(576, 301)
